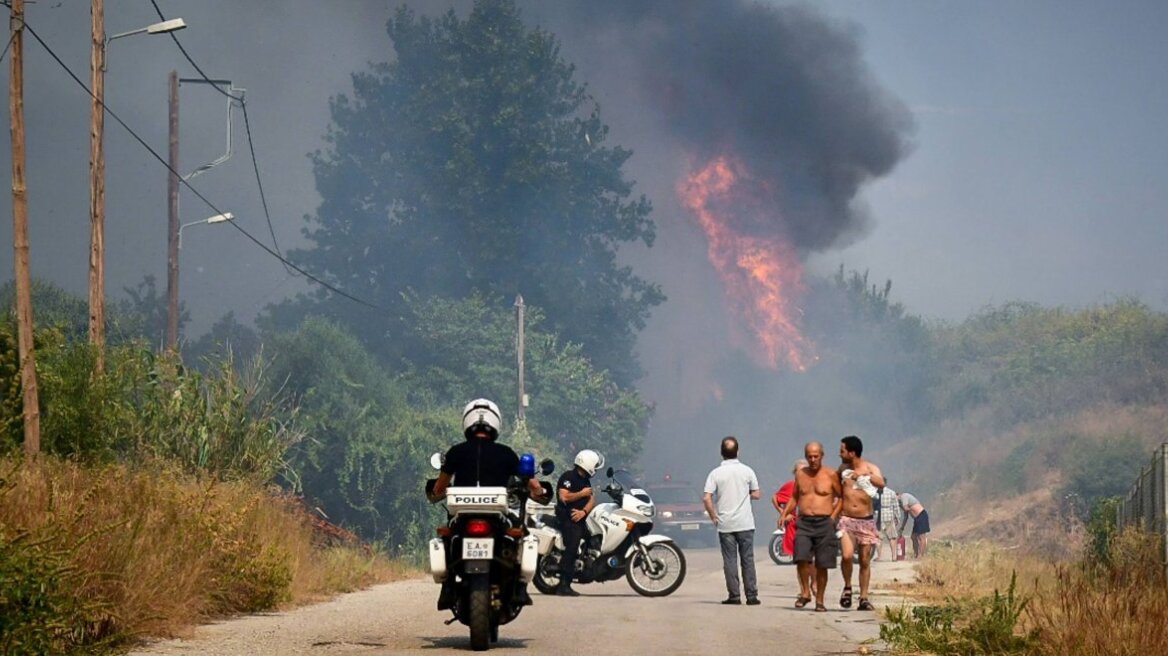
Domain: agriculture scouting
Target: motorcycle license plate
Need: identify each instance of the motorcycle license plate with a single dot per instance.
(478, 549)
(690, 527)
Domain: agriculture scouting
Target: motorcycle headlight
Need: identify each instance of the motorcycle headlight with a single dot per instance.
(667, 514)
(646, 509)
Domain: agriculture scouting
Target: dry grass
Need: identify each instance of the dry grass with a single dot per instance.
(1088, 609)
(968, 570)
(1115, 610)
(157, 551)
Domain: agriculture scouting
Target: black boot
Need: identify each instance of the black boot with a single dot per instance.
(565, 589)
(522, 597)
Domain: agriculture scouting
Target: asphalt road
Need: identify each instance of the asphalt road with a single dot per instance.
(608, 618)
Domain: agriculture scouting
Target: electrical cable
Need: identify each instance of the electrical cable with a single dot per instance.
(5, 53)
(187, 184)
(246, 122)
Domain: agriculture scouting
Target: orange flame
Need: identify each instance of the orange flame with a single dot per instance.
(763, 276)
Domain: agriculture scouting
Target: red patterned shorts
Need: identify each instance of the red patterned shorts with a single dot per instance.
(863, 531)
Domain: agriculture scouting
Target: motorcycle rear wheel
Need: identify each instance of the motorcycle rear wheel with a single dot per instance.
(480, 612)
(660, 574)
(776, 551)
(545, 580)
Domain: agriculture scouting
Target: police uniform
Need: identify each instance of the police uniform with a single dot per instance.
(572, 480)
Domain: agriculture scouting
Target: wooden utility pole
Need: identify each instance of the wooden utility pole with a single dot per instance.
(172, 231)
(97, 185)
(24, 325)
(521, 412)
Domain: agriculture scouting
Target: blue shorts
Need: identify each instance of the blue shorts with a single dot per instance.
(921, 523)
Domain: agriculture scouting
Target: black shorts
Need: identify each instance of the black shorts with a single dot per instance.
(921, 523)
(815, 541)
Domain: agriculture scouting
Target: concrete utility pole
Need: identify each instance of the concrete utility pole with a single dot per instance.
(173, 230)
(97, 185)
(24, 324)
(521, 412)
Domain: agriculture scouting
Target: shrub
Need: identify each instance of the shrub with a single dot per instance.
(39, 613)
(984, 626)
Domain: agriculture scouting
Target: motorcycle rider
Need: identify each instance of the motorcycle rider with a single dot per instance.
(479, 461)
(574, 501)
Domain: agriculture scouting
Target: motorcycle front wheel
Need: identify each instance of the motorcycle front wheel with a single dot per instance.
(546, 580)
(480, 612)
(658, 571)
(776, 551)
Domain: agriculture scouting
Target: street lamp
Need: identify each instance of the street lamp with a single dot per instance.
(166, 26)
(99, 42)
(218, 218)
(172, 280)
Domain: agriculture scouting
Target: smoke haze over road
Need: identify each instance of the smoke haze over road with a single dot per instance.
(1034, 171)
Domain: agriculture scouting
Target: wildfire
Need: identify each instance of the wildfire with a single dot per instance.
(763, 275)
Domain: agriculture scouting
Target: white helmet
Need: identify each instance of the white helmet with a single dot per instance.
(589, 461)
(481, 414)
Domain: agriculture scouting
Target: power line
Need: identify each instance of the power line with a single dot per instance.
(187, 184)
(247, 124)
(3, 54)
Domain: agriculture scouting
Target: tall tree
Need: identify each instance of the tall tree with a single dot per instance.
(474, 162)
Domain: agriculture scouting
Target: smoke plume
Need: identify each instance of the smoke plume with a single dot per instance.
(784, 89)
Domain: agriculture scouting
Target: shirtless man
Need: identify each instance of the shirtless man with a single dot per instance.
(818, 497)
(859, 480)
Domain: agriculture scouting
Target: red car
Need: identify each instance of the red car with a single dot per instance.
(680, 513)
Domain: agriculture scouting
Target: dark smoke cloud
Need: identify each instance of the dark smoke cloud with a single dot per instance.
(782, 88)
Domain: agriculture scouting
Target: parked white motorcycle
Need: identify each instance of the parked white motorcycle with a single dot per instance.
(619, 543)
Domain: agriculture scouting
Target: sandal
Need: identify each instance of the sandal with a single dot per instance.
(820, 608)
(865, 605)
(846, 598)
(802, 601)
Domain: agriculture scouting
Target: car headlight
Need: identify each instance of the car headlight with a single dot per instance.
(667, 514)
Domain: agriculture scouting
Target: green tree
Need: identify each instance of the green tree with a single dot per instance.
(365, 455)
(474, 162)
(469, 346)
(227, 337)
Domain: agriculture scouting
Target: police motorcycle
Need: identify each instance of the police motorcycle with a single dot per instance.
(619, 543)
(484, 549)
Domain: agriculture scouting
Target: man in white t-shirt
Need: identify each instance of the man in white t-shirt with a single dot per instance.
(730, 488)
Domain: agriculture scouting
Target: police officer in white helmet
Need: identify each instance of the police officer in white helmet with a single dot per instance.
(574, 500)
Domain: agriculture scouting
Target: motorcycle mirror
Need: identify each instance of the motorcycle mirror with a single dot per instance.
(609, 473)
(546, 466)
(437, 460)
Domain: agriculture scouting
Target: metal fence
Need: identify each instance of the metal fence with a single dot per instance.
(1144, 505)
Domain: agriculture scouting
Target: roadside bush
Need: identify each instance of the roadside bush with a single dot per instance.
(39, 614)
(988, 625)
(148, 406)
(100, 554)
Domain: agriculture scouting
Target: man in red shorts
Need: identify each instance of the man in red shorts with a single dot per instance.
(859, 480)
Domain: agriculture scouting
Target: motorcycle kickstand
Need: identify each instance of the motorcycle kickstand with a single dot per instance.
(450, 621)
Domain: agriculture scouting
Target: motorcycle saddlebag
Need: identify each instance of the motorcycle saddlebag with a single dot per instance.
(438, 560)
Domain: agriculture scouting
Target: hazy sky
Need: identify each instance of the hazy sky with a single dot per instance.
(1036, 170)
(1041, 153)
